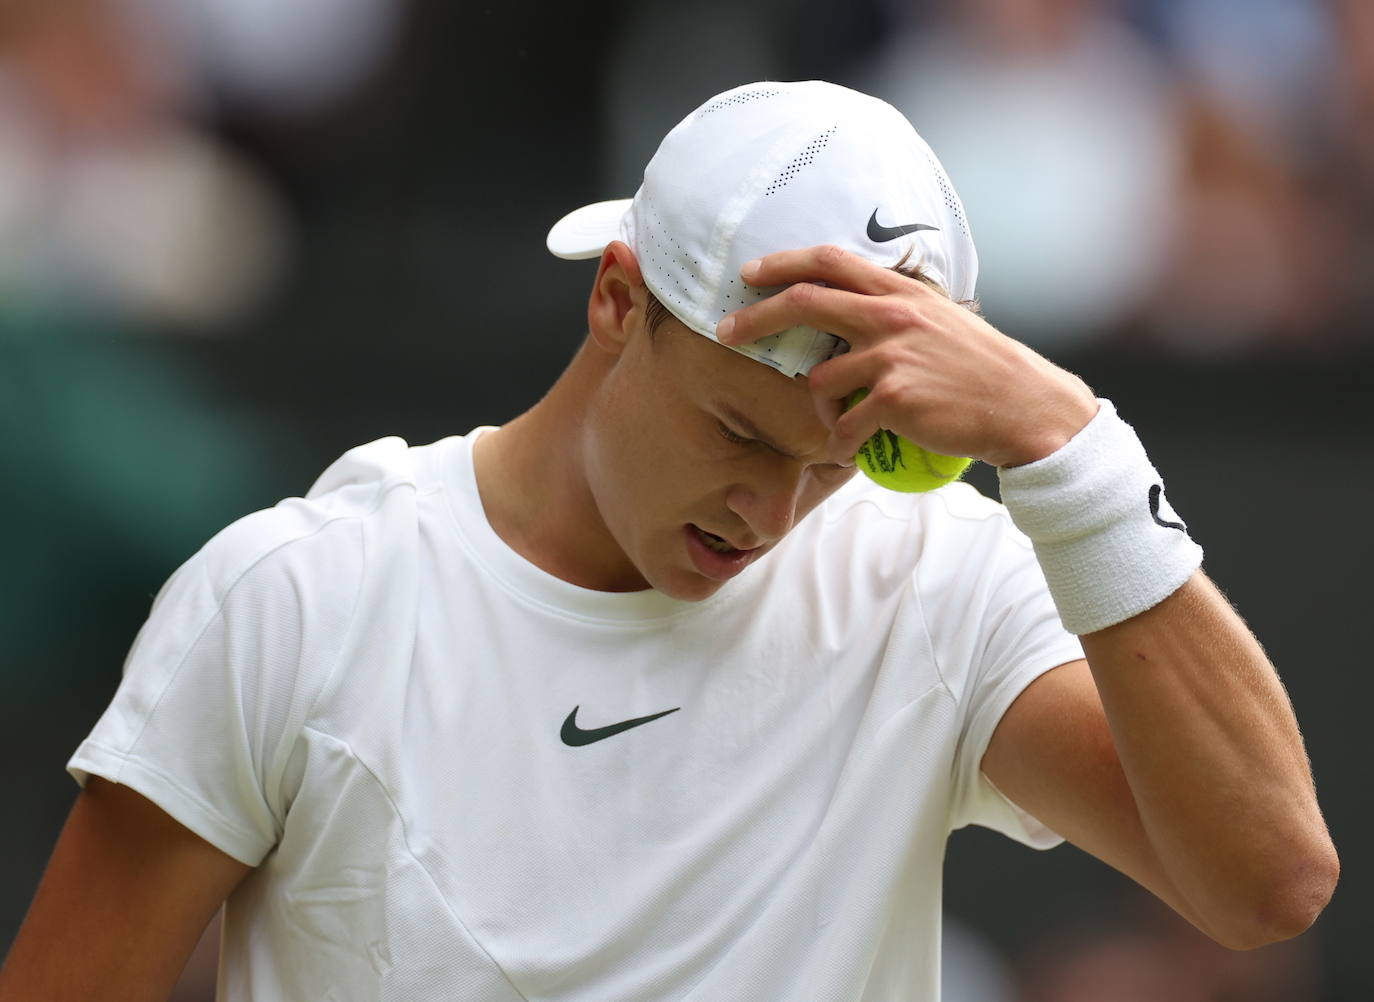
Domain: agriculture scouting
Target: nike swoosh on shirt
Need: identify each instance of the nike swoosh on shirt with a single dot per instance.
(576, 736)
(879, 233)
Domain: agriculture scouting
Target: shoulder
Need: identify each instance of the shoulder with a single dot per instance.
(271, 599)
(373, 483)
(311, 552)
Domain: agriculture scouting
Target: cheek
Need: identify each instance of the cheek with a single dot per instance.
(655, 458)
(661, 447)
(634, 469)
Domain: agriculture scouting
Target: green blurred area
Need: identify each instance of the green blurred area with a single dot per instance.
(122, 456)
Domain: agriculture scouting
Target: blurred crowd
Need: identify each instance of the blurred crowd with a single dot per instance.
(1199, 177)
(1189, 178)
(128, 226)
(1195, 174)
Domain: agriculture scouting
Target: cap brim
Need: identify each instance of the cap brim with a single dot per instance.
(585, 232)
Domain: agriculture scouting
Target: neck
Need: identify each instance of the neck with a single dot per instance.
(532, 478)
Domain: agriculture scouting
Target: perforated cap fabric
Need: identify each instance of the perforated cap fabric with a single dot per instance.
(778, 166)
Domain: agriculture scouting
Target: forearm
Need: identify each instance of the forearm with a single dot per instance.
(123, 902)
(1225, 815)
(1210, 747)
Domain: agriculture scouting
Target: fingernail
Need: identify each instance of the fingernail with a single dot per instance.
(724, 328)
(749, 269)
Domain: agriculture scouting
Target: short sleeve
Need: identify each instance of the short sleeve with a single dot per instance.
(994, 629)
(222, 676)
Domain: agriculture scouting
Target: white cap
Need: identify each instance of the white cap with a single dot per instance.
(779, 166)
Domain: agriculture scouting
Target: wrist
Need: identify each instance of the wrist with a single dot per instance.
(1050, 427)
(1108, 542)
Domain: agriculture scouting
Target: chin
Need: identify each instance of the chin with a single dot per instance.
(686, 586)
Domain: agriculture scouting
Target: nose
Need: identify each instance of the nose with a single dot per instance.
(768, 505)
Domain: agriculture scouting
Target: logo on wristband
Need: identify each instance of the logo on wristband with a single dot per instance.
(1156, 498)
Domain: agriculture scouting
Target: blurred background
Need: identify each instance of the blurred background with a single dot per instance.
(239, 237)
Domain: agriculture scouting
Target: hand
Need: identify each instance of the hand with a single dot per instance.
(937, 373)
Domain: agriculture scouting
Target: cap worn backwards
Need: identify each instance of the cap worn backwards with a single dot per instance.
(778, 166)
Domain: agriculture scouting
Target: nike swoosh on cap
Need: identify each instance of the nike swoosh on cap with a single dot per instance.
(880, 234)
(576, 736)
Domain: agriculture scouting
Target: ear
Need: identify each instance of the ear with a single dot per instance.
(616, 307)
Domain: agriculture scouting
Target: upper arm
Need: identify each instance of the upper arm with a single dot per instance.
(1053, 755)
(125, 897)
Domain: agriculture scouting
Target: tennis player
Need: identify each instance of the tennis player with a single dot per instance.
(646, 695)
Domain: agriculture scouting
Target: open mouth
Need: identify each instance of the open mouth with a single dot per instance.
(714, 542)
(715, 556)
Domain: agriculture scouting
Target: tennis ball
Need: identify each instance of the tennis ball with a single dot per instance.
(900, 464)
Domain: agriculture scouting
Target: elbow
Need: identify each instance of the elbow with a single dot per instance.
(1287, 906)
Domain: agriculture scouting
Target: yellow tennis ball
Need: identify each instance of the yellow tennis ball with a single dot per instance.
(900, 464)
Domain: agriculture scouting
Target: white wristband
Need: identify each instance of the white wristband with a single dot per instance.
(1108, 542)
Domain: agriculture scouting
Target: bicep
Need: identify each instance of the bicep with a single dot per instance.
(122, 904)
(1053, 755)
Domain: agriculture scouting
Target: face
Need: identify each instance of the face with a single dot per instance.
(700, 459)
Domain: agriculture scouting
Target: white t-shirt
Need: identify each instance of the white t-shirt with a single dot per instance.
(363, 694)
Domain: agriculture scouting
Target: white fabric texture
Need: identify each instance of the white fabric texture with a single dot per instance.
(776, 166)
(1110, 544)
(361, 693)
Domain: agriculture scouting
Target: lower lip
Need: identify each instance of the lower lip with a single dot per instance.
(716, 566)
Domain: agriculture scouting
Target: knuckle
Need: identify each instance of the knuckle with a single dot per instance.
(829, 254)
(883, 395)
(819, 380)
(846, 446)
(802, 295)
(893, 312)
(906, 396)
(843, 434)
(897, 397)
(889, 354)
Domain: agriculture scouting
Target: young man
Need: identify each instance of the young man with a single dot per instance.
(645, 695)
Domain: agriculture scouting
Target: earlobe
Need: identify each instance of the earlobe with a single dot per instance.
(616, 306)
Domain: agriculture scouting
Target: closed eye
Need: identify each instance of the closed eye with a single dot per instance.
(730, 436)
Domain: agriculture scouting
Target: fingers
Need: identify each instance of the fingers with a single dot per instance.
(840, 376)
(828, 409)
(831, 265)
(888, 320)
(851, 429)
(885, 402)
(832, 384)
(835, 311)
(825, 289)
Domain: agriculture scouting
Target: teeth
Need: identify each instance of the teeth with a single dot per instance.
(714, 542)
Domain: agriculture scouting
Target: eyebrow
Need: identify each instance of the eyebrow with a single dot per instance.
(752, 430)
